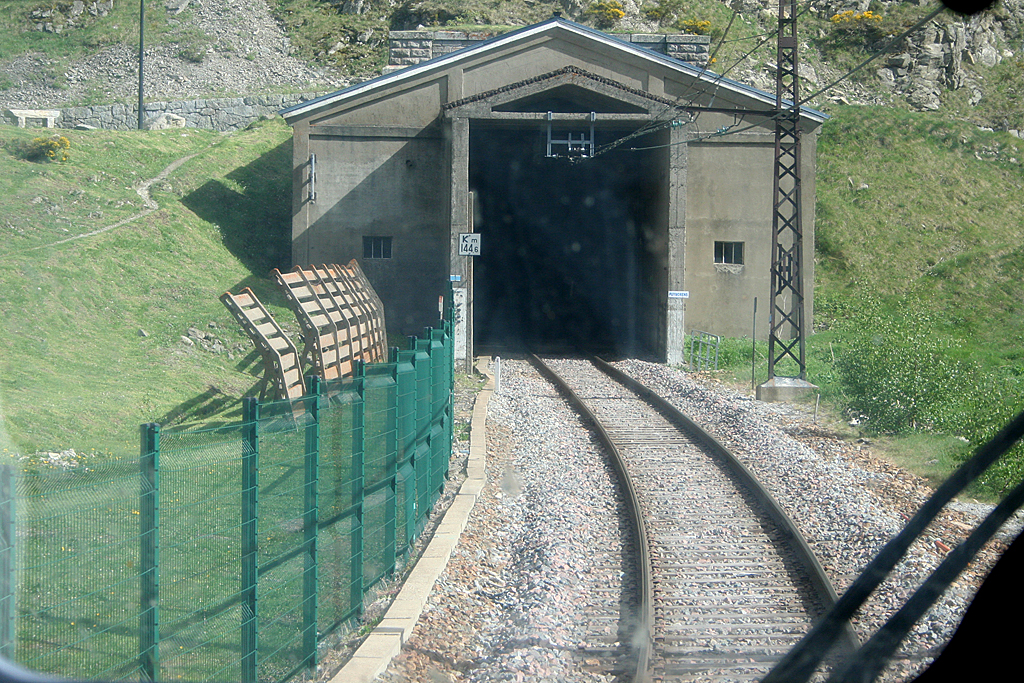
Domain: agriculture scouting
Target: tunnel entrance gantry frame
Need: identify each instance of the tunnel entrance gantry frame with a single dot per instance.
(630, 109)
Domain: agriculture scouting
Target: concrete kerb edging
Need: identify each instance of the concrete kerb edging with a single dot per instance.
(385, 641)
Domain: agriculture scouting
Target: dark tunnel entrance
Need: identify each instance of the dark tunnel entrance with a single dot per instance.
(572, 253)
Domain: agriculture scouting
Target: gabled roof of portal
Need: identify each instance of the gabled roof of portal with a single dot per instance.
(554, 27)
(518, 96)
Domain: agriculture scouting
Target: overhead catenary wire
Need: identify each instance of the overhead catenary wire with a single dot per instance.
(660, 122)
(765, 118)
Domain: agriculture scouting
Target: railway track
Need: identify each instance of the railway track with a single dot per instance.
(725, 584)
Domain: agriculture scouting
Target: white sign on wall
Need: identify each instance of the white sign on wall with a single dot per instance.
(469, 244)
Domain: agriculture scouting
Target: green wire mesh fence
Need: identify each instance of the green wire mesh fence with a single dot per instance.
(230, 551)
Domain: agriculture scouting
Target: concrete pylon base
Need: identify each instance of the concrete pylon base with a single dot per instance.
(783, 389)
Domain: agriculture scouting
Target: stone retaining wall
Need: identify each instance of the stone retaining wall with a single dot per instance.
(224, 114)
(412, 47)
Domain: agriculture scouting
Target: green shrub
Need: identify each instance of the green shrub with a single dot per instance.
(669, 13)
(697, 27)
(665, 12)
(192, 53)
(977, 415)
(606, 13)
(54, 148)
(895, 371)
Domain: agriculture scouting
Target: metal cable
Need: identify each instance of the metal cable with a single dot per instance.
(764, 119)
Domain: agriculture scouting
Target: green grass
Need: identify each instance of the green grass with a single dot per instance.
(913, 206)
(93, 326)
(121, 26)
(79, 544)
(918, 308)
(79, 587)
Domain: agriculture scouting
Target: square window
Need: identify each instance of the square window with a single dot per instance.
(376, 247)
(729, 252)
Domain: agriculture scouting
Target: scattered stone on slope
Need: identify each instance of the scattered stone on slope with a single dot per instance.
(246, 52)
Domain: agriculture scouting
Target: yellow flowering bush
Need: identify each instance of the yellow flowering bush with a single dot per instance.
(866, 23)
(54, 148)
(606, 13)
(697, 27)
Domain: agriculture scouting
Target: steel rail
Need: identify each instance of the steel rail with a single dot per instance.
(644, 638)
(848, 642)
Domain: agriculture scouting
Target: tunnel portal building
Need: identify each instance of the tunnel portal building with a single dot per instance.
(621, 196)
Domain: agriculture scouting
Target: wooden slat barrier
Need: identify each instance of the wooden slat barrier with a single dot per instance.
(327, 277)
(281, 360)
(341, 317)
(323, 323)
(376, 348)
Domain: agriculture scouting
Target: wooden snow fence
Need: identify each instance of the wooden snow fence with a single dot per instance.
(282, 366)
(341, 318)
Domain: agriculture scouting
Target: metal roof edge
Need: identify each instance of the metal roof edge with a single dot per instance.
(295, 112)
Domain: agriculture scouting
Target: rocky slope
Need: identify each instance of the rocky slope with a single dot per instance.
(244, 50)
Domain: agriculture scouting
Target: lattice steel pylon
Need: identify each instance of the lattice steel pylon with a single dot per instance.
(786, 336)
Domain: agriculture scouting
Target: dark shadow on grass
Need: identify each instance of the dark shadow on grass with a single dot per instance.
(255, 224)
(207, 404)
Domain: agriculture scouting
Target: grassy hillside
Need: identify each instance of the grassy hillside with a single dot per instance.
(919, 268)
(919, 275)
(921, 207)
(95, 304)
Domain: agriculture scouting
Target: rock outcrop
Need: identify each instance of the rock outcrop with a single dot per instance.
(242, 50)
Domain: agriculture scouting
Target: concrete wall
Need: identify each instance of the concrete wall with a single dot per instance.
(729, 199)
(387, 187)
(393, 160)
(381, 171)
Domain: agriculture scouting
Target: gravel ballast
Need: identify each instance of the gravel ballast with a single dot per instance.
(846, 503)
(511, 604)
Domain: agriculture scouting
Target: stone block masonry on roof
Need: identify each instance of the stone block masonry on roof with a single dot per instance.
(413, 47)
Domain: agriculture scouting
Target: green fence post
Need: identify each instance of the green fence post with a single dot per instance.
(449, 354)
(7, 582)
(391, 467)
(149, 551)
(405, 391)
(436, 440)
(442, 409)
(250, 559)
(311, 524)
(421, 361)
(358, 484)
